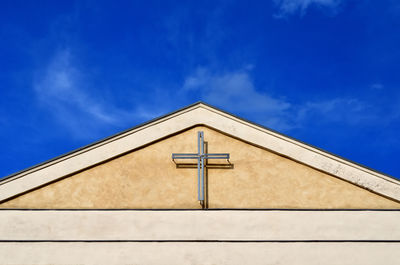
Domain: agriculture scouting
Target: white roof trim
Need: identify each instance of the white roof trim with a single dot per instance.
(198, 114)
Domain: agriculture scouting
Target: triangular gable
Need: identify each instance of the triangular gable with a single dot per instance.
(147, 178)
(195, 115)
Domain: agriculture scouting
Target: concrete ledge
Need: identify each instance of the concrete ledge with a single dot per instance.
(200, 253)
(224, 225)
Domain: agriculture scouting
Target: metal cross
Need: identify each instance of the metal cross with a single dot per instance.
(201, 158)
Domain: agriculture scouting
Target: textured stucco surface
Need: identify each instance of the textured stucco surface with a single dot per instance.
(147, 178)
(219, 225)
(194, 253)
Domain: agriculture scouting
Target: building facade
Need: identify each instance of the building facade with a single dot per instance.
(199, 186)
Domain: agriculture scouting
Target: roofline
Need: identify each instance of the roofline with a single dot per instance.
(100, 141)
(179, 110)
(300, 141)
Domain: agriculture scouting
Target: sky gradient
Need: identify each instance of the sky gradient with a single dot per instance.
(325, 72)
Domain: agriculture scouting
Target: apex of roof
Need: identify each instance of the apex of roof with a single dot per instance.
(198, 113)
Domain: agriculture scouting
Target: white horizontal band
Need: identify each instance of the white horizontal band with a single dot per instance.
(199, 225)
(200, 253)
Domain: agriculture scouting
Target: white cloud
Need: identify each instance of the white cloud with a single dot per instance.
(236, 90)
(377, 86)
(341, 110)
(64, 91)
(289, 7)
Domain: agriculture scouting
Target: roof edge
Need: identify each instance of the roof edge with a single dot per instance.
(7, 177)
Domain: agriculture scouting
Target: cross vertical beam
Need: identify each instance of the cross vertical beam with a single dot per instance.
(200, 166)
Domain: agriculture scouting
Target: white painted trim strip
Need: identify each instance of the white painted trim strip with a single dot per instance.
(200, 225)
(199, 114)
(200, 253)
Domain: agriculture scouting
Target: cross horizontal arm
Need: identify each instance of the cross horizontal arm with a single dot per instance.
(216, 156)
(197, 156)
(185, 156)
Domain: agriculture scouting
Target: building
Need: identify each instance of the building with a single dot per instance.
(199, 186)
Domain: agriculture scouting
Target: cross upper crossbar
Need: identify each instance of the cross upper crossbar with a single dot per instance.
(196, 156)
(201, 157)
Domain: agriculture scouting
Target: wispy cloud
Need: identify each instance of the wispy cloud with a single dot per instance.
(377, 86)
(349, 111)
(236, 91)
(65, 92)
(289, 7)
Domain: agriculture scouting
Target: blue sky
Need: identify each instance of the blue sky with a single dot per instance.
(323, 71)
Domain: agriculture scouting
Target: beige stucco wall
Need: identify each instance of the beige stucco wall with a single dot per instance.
(196, 253)
(273, 237)
(194, 225)
(147, 178)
